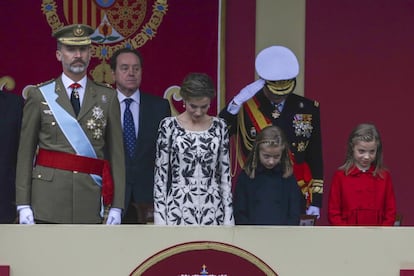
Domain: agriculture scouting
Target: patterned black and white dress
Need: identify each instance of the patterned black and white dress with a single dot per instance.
(192, 175)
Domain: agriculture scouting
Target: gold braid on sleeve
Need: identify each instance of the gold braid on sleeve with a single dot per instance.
(241, 133)
(317, 186)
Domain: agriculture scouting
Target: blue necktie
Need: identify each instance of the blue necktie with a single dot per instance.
(129, 129)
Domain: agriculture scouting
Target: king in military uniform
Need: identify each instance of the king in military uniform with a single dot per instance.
(271, 101)
(71, 160)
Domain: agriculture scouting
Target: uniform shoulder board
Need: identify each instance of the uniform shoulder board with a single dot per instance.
(316, 103)
(44, 83)
(107, 85)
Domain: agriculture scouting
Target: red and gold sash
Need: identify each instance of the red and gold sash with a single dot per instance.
(259, 121)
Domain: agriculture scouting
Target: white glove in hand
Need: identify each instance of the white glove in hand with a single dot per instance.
(114, 216)
(25, 215)
(313, 210)
(244, 95)
(248, 91)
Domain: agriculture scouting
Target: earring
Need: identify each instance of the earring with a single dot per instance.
(183, 104)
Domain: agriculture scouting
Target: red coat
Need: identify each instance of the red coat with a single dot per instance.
(360, 198)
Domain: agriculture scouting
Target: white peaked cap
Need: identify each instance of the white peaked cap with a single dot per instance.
(277, 63)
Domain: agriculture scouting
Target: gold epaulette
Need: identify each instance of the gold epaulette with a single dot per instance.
(44, 83)
(25, 91)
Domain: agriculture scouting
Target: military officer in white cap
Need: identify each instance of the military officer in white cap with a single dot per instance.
(270, 101)
(71, 128)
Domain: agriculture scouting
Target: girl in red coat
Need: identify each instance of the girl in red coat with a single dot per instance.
(361, 190)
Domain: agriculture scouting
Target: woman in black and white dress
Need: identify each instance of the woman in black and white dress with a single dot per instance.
(192, 183)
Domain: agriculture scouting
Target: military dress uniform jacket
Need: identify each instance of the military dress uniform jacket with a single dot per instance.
(61, 196)
(300, 120)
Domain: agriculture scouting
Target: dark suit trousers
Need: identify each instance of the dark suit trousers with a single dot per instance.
(139, 213)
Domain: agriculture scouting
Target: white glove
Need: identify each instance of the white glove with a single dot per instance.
(25, 214)
(114, 216)
(244, 95)
(313, 210)
(248, 91)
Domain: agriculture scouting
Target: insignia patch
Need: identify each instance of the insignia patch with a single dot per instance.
(302, 146)
(78, 32)
(253, 132)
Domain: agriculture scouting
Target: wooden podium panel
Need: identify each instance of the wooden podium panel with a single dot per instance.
(118, 250)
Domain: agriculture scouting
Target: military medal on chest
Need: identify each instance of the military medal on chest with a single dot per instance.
(303, 125)
(97, 123)
(276, 111)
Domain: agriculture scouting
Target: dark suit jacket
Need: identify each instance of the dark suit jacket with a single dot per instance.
(11, 107)
(140, 168)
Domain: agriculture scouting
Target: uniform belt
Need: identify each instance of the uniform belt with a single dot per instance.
(72, 162)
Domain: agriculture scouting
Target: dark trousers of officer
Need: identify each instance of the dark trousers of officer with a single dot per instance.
(139, 213)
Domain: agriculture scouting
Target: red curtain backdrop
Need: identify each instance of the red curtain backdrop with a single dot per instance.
(240, 45)
(359, 58)
(186, 39)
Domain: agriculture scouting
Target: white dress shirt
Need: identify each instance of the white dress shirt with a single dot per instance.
(81, 90)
